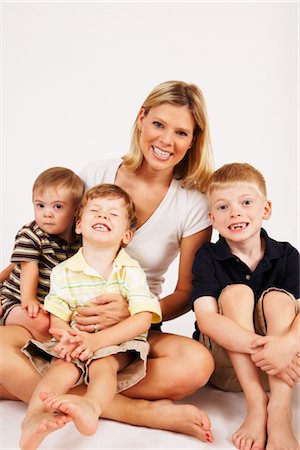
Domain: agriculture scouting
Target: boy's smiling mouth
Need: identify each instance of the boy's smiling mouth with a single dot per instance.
(101, 227)
(238, 226)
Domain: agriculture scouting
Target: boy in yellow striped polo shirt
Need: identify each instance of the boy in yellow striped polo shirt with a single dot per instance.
(110, 360)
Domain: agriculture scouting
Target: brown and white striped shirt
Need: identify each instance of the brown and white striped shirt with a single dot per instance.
(33, 244)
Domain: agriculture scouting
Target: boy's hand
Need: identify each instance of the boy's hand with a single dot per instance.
(32, 306)
(291, 374)
(86, 345)
(65, 346)
(273, 354)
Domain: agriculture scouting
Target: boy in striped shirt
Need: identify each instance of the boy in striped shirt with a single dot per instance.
(40, 246)
(110, 360)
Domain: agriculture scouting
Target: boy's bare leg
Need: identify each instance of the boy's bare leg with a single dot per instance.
(86, 409)
(39, 422)
(279, 312)
(238, 304)
(165, 358)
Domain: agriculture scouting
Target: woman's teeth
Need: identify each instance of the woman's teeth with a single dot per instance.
(160, 153)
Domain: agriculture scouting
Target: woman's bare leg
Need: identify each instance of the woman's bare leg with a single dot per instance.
(168, 353)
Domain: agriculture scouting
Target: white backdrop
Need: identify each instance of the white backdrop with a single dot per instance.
(74, 75)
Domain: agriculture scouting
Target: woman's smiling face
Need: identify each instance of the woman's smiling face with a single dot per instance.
(166, 135)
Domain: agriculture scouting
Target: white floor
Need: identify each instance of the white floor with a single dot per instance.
(226, 411)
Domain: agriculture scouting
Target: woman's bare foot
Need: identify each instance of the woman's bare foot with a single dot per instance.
(252, 433)
(279, 427)
(186, 419)
(35, 428)
(82, 411)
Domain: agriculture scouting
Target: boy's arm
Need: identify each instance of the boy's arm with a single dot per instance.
(29, 280)
(274, 354)
(224, 331)
(128, 329)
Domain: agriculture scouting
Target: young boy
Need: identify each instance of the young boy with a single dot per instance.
(244, 286)
(109, 360)
(39, 246)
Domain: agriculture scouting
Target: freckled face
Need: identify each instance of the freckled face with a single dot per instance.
(166, 135)
(237, 211)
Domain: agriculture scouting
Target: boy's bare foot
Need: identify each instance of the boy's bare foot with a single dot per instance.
(279, 427)
(83, 412)
(252, 433)
(186, 419)
(36, 428)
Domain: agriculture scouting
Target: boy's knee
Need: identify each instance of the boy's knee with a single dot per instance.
(236, 292)
(279, 301)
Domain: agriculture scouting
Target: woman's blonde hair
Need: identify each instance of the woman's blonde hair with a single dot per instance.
(197, 165)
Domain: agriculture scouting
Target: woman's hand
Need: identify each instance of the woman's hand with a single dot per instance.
(109, 310)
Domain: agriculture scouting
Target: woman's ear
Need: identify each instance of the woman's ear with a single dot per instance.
(140, 119)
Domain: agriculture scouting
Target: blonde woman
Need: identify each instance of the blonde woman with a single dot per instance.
(165, 172)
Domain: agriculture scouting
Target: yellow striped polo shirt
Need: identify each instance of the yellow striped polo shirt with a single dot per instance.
(74, 283)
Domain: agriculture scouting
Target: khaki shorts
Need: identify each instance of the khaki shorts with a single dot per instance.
(41, 354)
(224, 376)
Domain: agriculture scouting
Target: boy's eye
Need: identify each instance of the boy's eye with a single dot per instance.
(247, 202)
(39, 205)
(57, 206)
(222, 207)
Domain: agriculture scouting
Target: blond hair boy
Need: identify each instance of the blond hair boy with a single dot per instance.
(246, 286)
(110, 360)
(39, 246)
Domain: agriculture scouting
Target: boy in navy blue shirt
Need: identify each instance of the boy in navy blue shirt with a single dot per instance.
(246, 300)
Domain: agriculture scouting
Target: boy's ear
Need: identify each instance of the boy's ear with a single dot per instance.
(78, 227)
(267, 210)
(212, 219)
(127, 237)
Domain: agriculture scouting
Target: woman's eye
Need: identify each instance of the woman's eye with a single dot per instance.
(157, 124)
(181, 133)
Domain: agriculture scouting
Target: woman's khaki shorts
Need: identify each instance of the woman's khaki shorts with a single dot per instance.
(41, 354)
(224, 376)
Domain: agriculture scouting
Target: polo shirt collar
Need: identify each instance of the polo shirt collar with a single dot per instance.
(77, 263)
(273, 249)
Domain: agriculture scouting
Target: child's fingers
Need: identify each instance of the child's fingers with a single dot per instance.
(258, 342)
(85, 355)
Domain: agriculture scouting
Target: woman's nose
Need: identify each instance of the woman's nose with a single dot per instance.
(166, 137)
